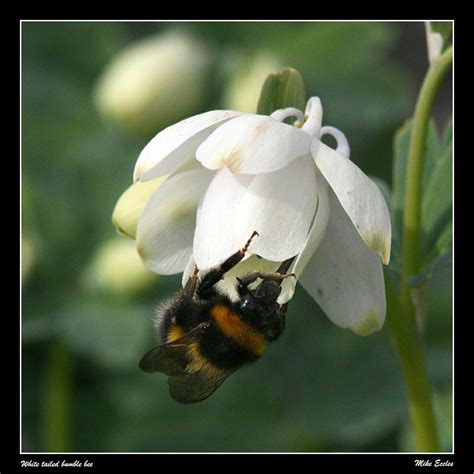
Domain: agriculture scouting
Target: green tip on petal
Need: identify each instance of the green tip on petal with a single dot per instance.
(368, 325)
(380, 244)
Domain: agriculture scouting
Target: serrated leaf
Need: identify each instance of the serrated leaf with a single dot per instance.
(282, 89)
(437, 185)
(436, 211)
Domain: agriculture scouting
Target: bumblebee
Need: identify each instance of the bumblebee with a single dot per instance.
(206, 336)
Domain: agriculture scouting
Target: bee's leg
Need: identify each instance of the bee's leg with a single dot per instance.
(191, 284)
(216, 273)
(278, 323)
(243, 290)
(273, 277)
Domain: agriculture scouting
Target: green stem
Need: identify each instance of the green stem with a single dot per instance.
(56, 408)
(414, 178)
(401, 312)
(409, 346)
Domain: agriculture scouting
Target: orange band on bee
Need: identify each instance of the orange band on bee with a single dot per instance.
(239, 331)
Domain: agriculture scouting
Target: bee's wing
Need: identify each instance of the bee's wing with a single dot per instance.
(171, 358)
(195, 387)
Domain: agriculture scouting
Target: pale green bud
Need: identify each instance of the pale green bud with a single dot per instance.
(245, 83)
(28, 257)
(154, 82)
(117, 268)
(131, 203)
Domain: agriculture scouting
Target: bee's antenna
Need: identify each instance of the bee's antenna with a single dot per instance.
(243, 288)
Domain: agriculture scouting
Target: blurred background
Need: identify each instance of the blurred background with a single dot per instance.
(93, 94)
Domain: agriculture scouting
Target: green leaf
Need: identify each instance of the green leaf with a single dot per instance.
(444, 28)
(282, 89)
(437, 190)
(447, 138)
(445, 239)
(429, 271)
(400, 151)
(436, 211)
(433, 151)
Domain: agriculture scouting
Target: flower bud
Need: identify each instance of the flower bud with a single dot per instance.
(117, 268)
(130, 205)
(246, 81)
(434, 43)
(154, 82)
(28, 257)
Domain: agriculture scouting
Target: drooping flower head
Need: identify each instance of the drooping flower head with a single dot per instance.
(231, 174)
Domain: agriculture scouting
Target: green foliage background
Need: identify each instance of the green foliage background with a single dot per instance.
(320, 388)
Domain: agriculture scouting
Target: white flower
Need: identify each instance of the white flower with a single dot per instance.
(304, 198)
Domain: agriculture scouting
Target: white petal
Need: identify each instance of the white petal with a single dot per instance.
(175, 145)
(188, 270)
(342, 144)
(434, 43)
(282, 114)
(345, 277)
(316, 234)
(166, 228)
(359, 195)
(314, 112)
(280, 206)
(318, 227)
(253, 144)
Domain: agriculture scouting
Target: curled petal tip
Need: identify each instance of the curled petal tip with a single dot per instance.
(380, 243)
(386, 257)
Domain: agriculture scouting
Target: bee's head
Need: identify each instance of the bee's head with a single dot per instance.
(265, 295)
